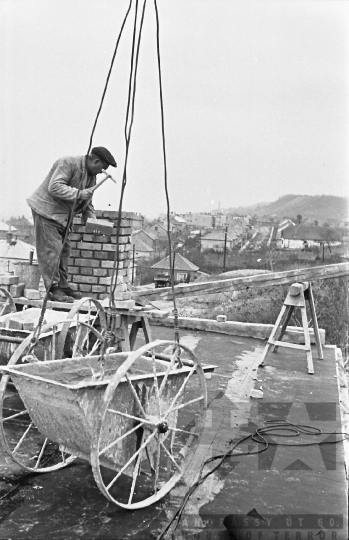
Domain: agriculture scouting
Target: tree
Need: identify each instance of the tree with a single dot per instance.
(316, 223)
(299, 218)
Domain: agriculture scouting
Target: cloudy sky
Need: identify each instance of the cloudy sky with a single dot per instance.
(255, 96)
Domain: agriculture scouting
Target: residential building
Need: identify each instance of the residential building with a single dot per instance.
(216, 240)
(141, 249)
(146, 236)
(302, 236)
(184, 270)
(158, 230)
(203, 220)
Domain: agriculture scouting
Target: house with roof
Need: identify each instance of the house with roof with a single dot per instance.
(184, 270)
(216, 240)
(141, 249)
(159, 230)
(5, 229)
(146, 236)
(305, 236)
(14, 251)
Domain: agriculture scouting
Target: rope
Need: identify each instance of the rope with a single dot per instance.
(71, 215)
(127, 132)
(175, 311)
(260, 437)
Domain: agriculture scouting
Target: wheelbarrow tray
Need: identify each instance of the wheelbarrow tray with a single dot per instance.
(64, 400)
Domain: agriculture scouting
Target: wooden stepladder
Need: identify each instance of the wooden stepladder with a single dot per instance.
(298, 295)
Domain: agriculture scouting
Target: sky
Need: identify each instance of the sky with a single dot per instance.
(255, 99)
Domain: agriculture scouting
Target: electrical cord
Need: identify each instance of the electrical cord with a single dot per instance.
(260, 437)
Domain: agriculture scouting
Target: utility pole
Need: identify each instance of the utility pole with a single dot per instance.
(133, 263)
(225, 247)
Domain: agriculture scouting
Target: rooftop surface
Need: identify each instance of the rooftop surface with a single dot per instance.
(291, 493)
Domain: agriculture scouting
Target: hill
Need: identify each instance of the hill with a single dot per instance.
(324, 208)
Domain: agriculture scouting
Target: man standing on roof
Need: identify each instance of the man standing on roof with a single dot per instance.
(51, 205)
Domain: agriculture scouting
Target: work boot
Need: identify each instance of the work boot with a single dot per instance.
(57, 295)
(70, 292)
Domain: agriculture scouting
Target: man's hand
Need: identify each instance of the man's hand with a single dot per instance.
(86, 194)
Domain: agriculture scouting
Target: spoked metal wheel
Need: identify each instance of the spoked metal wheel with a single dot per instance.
(8, 306)
(82, 338)
(19, 437)
(151, 418)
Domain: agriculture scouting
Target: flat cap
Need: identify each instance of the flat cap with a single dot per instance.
(104, 154)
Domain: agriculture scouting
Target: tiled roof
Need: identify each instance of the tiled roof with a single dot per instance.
(20, 250)
(141, 246)
(181, 263)
(149, 233)
(4, 227)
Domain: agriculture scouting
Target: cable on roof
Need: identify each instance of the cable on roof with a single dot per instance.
(279, 428)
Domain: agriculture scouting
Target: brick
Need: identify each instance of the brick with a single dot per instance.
(86, 254)
(89, 245)
(32, 294)
(75, 252)
(87, 238)
(100, 255)
(100, 272)
(98, 213)
(73, 244)
(74, 236)
(85, 288)
(104, 280)
(85, 279)
(14, 324)
(17, 290)
(86, 271)
(87, 263)
(122, 239)
(100, 225)
(123, 231)
(124, 304)
(71, 261)
(8, 279)
(80, 229)
(98, 289)
(77, 221)
(73, 270)
(123, 295)
(107, 264)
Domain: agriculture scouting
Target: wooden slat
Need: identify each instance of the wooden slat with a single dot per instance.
(259, 280)
(289, 345)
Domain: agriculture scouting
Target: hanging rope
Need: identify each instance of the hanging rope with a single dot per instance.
(175, 311)
(71, 214)
(127, 133)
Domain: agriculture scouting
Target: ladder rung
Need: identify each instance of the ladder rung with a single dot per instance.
(289, 345)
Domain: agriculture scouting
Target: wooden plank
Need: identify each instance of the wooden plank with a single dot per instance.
(260, 280)
(291, 345)
(234, 328)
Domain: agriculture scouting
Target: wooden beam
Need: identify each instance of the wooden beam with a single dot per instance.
(245, 282)
(293, 334)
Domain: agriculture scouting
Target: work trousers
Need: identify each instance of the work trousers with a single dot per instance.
(49, 237)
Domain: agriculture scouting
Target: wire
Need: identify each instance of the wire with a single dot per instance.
(127, 132)
(260, 437)
(171, 266)
(71, 214)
